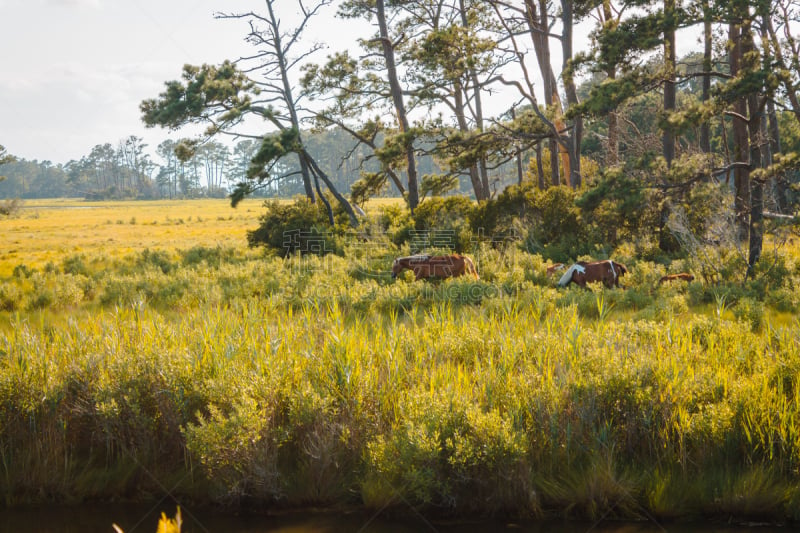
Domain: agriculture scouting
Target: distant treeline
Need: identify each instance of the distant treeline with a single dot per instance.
(131, 171)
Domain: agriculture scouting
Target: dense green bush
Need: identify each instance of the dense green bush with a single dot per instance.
(299, 227)
(213, 257)
(156, 258)
(11, 296)
(396, 223)
(443, 223)
(75, 264)
(618, 208)
(546, 222)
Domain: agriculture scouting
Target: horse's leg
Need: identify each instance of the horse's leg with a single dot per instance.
(611, 276)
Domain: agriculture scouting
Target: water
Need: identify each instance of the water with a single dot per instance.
(144, 519)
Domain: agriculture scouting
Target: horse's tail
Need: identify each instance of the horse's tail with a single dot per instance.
(567, 277)
(471, 267)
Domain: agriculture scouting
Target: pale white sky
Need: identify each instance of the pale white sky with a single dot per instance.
(73, 72)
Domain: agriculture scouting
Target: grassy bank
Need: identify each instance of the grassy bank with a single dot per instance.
(218, 374)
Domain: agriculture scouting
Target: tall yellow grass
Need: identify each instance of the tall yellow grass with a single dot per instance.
(49, 230)
(189, 362)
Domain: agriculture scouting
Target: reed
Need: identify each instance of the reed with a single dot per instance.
(238, 377)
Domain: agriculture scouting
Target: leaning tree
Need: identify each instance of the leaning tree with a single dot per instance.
(222, 97)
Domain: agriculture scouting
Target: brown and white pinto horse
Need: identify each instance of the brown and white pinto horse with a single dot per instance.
(607, 271)
(434, 266)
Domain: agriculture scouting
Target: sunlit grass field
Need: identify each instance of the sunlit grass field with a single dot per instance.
(49, 230)
(144, 346)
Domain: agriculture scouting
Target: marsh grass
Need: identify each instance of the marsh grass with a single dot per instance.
(46, 231)
(237, 377)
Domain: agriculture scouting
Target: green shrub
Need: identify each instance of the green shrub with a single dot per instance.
(637, 298)
(396, 222)
(156, 258)
(299, 227)
(42, 298)
(544, 221)
(773, 272)
(237, 451)
(618, 208)
(75, 264)
(584, 300)
(783, 300)
(213, 257)
(170, 294)
(448, 456)
(443, 223)
(119, 291)
(10, 296)
(22, 271)
(70, 290)
(750, 311)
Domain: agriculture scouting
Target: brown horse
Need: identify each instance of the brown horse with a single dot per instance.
(607, 271)
(685, 276)
(435, 266)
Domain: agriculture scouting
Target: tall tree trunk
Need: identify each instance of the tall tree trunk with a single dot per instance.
(757, 185)
(781, 183)
(481, 193)
(741, 142)
(518, 152)
(757, 127)
(668, 139)
(572, 93)
(290, 103)
(612, 148)
(536, 17)
(555, 176)
(705, 128)
(555, 99)
(399, 104)
(478, 104)
(318, 173)
(540, 167)
(304, 172)
(483, 170)
(669, 81)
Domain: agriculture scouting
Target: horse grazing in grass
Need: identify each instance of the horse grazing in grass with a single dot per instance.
(435, 266)
(607, 271)
(685, 276)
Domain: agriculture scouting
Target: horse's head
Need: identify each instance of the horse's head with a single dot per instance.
(397, 266)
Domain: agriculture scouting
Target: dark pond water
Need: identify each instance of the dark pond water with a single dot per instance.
(144, 519)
